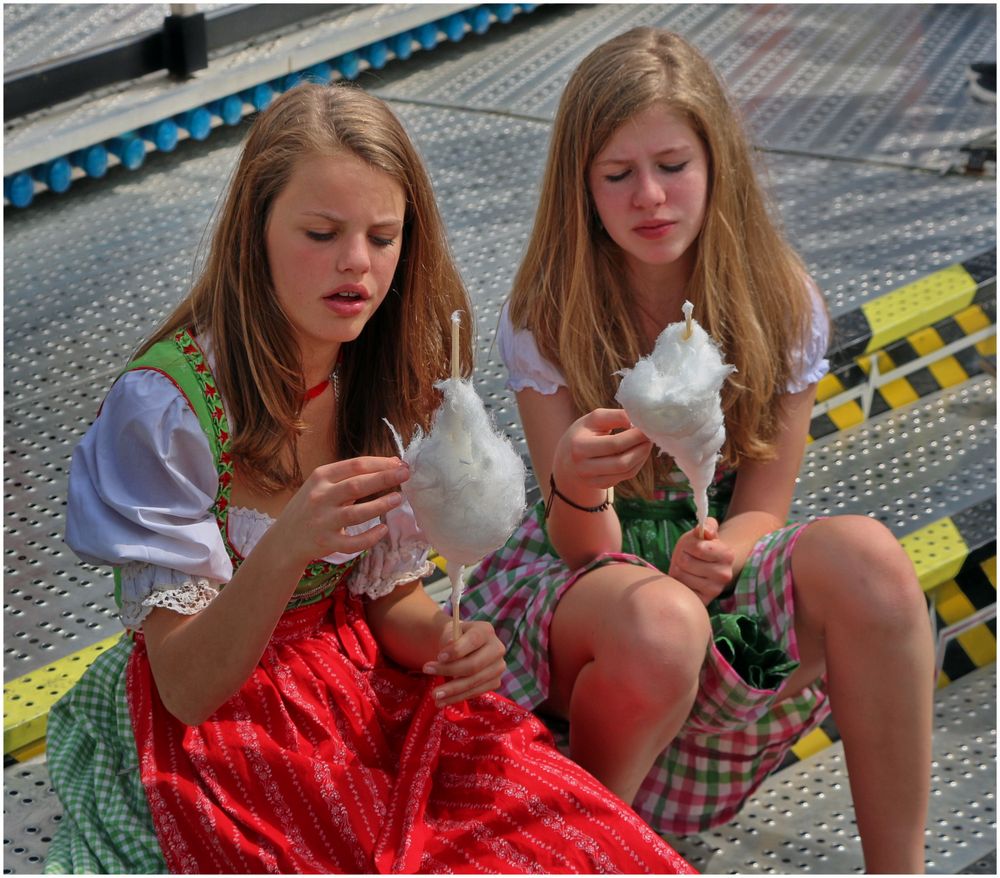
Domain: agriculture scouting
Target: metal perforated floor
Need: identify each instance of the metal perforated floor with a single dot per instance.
(36, 33)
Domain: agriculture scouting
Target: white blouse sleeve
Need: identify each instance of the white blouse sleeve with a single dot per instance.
(811, 358)
(526, 367)
(141, 486)
(400, 556)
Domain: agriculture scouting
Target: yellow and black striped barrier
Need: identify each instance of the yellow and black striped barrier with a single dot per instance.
(917, 331)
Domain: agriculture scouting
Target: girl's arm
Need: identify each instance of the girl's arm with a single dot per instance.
(416, 633)
(763, 494)
(200, 661)
(585, 455)
(761, 501)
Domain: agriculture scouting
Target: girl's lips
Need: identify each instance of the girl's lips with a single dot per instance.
(653, 231)
(345, 305)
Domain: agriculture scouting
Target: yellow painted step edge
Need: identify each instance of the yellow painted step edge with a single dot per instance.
(27, 699)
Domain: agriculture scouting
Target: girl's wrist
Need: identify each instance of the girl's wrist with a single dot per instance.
(556, 495)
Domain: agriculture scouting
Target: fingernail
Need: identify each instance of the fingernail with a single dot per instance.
(395, 499)
(429, 668)
(439, 694)
(443, 657)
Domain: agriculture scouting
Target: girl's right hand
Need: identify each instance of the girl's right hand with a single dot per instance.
(313, 522)
(599, 450)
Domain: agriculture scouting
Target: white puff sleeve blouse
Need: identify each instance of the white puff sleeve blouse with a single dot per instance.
(141, 488)
(527, 368)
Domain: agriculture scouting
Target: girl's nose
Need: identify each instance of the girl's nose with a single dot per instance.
(353, 255)
(649, 192)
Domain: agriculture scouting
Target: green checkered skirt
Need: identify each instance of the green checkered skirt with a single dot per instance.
(106, 826)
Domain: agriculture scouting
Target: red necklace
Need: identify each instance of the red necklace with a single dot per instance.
(313, 392)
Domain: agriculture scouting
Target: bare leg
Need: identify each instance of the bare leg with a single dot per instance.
(860, 610)
(627, 645)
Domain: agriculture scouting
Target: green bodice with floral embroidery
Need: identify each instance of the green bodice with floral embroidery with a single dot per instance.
(183, 362)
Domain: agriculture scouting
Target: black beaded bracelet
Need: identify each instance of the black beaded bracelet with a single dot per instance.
(600, 507)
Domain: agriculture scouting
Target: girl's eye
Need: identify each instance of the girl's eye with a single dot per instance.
(320, 236)
(383, 242)
(616, 178)
(673, 169)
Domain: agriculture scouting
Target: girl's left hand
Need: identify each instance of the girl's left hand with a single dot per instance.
(475, 661)
(704, 565)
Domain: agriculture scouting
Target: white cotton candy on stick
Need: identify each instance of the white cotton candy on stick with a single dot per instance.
(673, 396)
(466, 484)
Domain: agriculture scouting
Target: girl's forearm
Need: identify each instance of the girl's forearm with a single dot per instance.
(742, 531)
(579, 536)
(408, 625)
(199, 662)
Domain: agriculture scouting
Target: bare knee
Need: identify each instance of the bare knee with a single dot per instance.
(853, 566)
(657, 642)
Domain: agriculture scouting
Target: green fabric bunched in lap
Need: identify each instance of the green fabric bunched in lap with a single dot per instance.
(743, 642)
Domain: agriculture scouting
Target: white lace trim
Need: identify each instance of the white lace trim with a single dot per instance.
(247, 525)
(160, 587)
(374, 588)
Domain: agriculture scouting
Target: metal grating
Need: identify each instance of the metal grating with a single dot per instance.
(31, 813)
(35, 33)
(883, 82)
(907, 467)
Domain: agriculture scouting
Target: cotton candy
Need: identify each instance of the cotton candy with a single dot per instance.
(466, 484)
(673, 396)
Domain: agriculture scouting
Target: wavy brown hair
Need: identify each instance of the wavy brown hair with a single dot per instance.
(748, 285)
(389, 370)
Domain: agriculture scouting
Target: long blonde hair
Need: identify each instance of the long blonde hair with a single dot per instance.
(390, 369)
(748, 285)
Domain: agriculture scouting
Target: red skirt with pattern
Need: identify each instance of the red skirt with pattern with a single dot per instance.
(332, 759)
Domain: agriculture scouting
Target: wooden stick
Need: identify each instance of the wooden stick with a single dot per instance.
(688, 310)
(455, 575)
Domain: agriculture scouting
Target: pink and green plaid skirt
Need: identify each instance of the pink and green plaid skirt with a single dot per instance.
(736, 733)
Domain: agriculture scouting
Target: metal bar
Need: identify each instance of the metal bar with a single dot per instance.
(228, 26)
(881, 379)
(947, 634)
(44, 85)
(151, 100)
